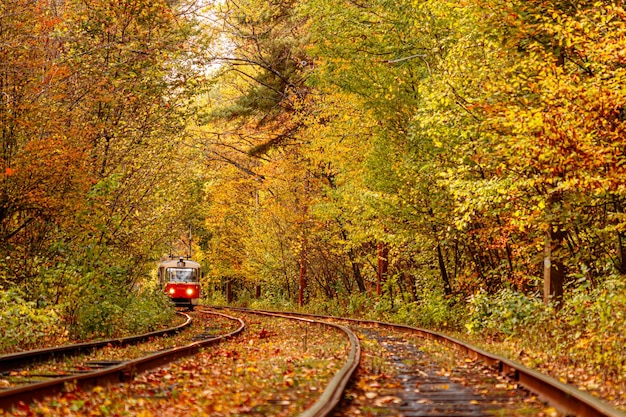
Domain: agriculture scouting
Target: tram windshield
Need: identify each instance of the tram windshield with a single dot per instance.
(181, 275)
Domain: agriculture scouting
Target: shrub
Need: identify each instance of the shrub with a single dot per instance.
(434, 310)
(147, 311)
(593, 319)
(505, 313)
(586, 332)
(104, 308)
(25, 326)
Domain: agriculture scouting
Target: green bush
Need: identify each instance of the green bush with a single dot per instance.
(360, 305)
(214, 298)
(586, 332)
(148, 311)
(592, 319)
(105, 309)
(25, 326)
(434, 310)
(503, 314)
(98, 319)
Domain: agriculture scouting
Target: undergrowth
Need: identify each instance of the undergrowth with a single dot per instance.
(24, 324)
(586, 332)
(582, 342)
(29, 325)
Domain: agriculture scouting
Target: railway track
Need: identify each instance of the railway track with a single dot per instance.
(27, 378)
(479, 384)
(333, 393)
(25, 358)
(412, 377)
(385, 370)
(305, 359)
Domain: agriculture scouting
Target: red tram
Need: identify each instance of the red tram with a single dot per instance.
(180, 279)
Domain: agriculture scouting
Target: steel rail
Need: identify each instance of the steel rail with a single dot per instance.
(118, 373)
(563, 397)
(332, 394)
(18, 359)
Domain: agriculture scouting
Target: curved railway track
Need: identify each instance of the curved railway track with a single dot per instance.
(333, 393)
(119, 371)
(20, 359)
(565, 398)
(310, 401)
(410, 383)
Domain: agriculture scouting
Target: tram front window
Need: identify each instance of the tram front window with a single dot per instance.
(180, 274)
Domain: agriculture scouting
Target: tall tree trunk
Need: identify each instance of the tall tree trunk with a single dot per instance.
(383, 264)
(302, 283)
(442, 265)
(444, 273)
(553, 269)
(229, 291)
(356, 269)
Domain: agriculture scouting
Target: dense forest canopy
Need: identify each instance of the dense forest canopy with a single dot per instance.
(476, 145)
(421, 157)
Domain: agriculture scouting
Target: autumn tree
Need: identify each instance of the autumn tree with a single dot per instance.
(93, 153)
(555, 141)
(473, 143)
(43, 168)
(246, 130)
(381, 54)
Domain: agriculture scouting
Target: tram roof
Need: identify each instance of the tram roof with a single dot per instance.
(173, 262)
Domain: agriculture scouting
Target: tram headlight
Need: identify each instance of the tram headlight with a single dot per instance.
(189, 291)
(172, 290)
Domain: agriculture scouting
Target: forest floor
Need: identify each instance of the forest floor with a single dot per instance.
(278, 368)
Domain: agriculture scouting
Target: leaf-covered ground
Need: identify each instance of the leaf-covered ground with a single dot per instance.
(277, 367)
(111, 353)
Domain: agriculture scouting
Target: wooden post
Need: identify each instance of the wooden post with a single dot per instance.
(553, 269)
